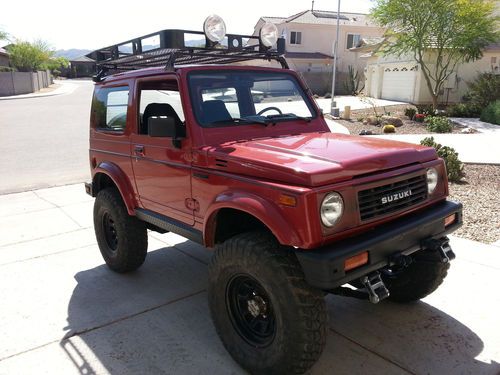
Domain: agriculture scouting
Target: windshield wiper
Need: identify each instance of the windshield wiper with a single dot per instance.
(288, 116)
(238, 120)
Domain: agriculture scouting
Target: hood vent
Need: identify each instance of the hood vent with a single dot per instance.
(221, 163)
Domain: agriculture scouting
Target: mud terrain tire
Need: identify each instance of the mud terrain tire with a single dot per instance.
(422, 277)
(122, 238)
(268, 318)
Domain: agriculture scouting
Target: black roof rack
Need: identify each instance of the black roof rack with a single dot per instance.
(171, 49)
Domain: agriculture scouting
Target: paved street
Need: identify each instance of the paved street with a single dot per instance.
(63, 312)
(45, 139)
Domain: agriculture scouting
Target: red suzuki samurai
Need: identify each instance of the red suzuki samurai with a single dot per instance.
(194, 141)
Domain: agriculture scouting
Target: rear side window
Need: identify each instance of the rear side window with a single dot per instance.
(109, 108)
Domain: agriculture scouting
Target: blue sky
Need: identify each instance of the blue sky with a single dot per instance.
(92, 24)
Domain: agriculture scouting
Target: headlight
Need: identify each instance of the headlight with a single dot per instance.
(332, 208)
(432, 180)
(268, 34)
(214, 28)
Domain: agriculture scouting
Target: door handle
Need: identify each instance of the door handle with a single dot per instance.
(139, 150)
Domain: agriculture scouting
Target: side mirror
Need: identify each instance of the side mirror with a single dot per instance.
(163, 126)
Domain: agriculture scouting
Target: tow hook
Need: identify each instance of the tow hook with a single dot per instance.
(377, 291)
(442, 246)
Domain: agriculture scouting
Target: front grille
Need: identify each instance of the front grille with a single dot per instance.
(397, 196)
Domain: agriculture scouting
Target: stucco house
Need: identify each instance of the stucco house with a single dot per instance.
(400, 77)
(82, 66)
(4, 58)
(310, 36)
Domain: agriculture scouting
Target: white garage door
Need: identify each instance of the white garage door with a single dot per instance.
(398, 85)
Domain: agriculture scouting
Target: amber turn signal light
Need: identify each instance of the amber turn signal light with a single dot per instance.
(449, 220)
(356, 261)
(287, 200)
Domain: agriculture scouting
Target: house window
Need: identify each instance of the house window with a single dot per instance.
(494, 60)
(295, 37)
(352, 40)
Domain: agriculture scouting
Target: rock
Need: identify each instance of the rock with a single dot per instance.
(468, 131)
(372, 120)
(391, 120)
(366, 132)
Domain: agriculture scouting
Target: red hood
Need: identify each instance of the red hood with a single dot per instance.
(315, 159)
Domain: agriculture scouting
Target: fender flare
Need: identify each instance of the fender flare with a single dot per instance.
(262, 209)
(121, 181)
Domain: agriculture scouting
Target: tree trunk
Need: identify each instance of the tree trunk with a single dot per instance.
(434, 102)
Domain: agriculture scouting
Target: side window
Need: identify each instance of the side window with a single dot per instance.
(296, 37)
(109, 108)
(159, 99)
(353, 40)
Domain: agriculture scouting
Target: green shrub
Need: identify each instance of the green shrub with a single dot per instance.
(454, 167)
(438, 124)
(410, 112)
(425, 109)
(491, 113)
(389, 129)
(463, 110)
(485, 89)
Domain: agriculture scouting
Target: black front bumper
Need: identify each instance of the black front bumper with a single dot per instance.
(324, 267)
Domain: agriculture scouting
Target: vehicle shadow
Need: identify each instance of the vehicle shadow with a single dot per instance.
(156, 321)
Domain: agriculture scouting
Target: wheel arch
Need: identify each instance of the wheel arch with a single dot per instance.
(231, 211)
(108, 174)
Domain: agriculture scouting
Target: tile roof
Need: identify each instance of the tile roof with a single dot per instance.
(322, 17)
(83, 59)
(307, 55)
(3, 51)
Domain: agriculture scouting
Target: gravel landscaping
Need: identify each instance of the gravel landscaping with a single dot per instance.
(479, 194)
(409, 126)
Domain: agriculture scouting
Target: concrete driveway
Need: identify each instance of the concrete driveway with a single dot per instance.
(354, 102)
(63, 312)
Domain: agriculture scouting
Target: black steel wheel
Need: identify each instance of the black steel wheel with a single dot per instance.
(122, 239)
(250, 310)
(268, 318)
(110, 233)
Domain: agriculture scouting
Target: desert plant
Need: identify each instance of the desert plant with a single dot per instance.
(454, 167)
(492, 113)
(438, 124)
(485, 89)
(425, 109)
(389, 129)
(353, 83)
(463, 110)
(419, 117)
(410, 112)
(371, 102)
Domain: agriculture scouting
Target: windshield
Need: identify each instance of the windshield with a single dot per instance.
(234, 98)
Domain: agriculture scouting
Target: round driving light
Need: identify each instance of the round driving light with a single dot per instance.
(214, 28)
(269, 34)
(432, 180)
(332, 208)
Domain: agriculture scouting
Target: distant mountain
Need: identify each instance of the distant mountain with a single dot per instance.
(72, 53)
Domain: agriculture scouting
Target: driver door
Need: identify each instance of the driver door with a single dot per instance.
(162, 171)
